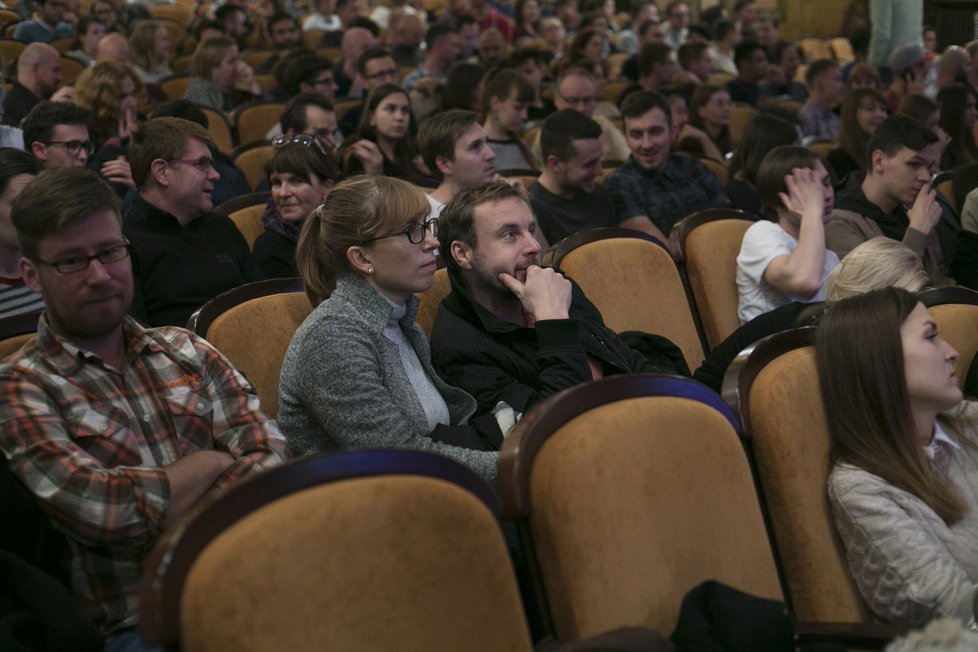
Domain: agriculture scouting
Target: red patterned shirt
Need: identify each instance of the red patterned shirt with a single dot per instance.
(90, 442)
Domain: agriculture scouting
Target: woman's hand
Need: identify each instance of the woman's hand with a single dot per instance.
(244, 78)
(369, 156)
(118, 171)
(127, 123)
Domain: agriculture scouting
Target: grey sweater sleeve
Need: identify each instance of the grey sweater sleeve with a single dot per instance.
(903, 570)
(336, 393)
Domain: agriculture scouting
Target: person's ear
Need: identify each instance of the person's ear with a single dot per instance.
(462, 254)
(39, 150)
(160, 171)
(878, 159)
(553, 163)
(446, 167)
(360, 260)
(28, 271)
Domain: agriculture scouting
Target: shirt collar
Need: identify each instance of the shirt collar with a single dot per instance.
(940, 438)
(68, 357)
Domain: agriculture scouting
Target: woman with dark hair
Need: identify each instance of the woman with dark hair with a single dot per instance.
(863, 110)
(300, 173)
(358, 373)
(505, 105)
(17, 169)
(709, 110)
(784, 259)
(958, 117)
(382, 144)
(463, 87)
(90, 31)
(763, 134)
(526, 19)
(904, 479)
(589, 45)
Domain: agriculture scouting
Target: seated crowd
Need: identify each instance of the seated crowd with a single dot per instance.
(473, 139)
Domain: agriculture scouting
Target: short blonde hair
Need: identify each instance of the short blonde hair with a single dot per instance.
(353, 212)
(875, 264)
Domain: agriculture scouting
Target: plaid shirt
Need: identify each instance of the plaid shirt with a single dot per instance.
(91, 441)
(666, 196)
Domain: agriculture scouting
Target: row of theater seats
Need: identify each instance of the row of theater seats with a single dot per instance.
(626, 493)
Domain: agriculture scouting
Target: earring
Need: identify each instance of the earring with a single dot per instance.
(370, 270)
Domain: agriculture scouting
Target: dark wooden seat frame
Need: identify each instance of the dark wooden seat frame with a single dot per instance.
(200, 322)
(242, 201)
(169, 563)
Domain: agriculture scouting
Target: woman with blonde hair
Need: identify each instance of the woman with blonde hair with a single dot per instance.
(152, 50)
(904, 480)
(877, 263)
(358, 373)
(221, 81)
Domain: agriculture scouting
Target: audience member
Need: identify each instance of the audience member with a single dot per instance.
(492, 48)
(566, 197)
(233, 21)
(784, 62)
(709, 111)
(764, 133)
(442, 51)
(183, 255)
(46, 24)
(17, 169)
(642, 12)
(909, 66)
(958, 117)
(505, 103)
(356, 42)
(928, 112)
(38, 77)
(724, 46)
(655, 184)
(220, 80)
(526, 20)
(750, 85)
(511, 331)
(491, 18)
(311, 115)
(299, 176)
(283, 36)
(677, 19)
(766, 31)
(406, 39)
(554, 34)
(825, 90)
(900, 157)
(382, 143)
(305, 72)
(152, 50)
(530, 62)
(864, 75)
(179, 422)
(903, 457)
(90, 32)
(114, 47)
(744, 13)
(785, 260)
(463, 89)
(695, 58)
(863, 111)
(954, 68)
(569, 15)
(468, 35)
(56, 133)
(321, 17)
(375, 68)
(358, 373)
(455, 149)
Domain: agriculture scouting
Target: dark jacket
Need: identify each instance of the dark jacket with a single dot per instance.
(496, 360)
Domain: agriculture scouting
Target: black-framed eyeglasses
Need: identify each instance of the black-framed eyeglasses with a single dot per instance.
(414, 233)
(389, 72)
(204, 163)
(73, 147)
(305, 140)
(75, 264)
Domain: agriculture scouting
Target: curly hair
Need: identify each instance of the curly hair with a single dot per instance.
(98, 91)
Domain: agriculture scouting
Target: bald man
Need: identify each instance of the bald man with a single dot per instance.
(38, 77)
(114, 46)
(356, 41)
(954, 68)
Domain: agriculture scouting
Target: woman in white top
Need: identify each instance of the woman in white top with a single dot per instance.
(786, 260)
(904, 479)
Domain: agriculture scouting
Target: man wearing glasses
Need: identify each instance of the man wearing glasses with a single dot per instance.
(56, 133)
(117, 430)
(183, 254)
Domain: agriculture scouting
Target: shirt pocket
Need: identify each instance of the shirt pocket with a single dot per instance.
(107, 436)
(193, 419)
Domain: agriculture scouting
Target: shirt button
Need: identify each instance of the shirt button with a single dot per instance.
(147, 418)
(104, 426)
(200, 405)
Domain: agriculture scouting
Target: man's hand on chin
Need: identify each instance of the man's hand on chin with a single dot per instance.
(545, 294)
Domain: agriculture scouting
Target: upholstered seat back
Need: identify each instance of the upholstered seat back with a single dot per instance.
(431, 299)
(636, 502)
(711, 251)
(255, 334)
(384, 563)
(636, 286)
(790, 441)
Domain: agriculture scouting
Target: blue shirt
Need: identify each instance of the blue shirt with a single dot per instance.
(31, 31)
(666, 196)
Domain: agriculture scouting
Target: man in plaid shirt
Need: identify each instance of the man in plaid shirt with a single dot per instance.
(116, 429)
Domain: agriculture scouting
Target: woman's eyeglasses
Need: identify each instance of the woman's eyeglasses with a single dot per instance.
(415, 232)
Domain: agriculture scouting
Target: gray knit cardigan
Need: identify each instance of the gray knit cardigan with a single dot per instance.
(909, 565)
(343, 385)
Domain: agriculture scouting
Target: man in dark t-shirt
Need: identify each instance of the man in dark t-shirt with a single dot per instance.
(566, 197)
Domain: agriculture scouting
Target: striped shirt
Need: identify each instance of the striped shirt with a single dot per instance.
(90, 442)
(16, 298)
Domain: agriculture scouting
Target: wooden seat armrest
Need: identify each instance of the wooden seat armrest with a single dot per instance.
(873, 636)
